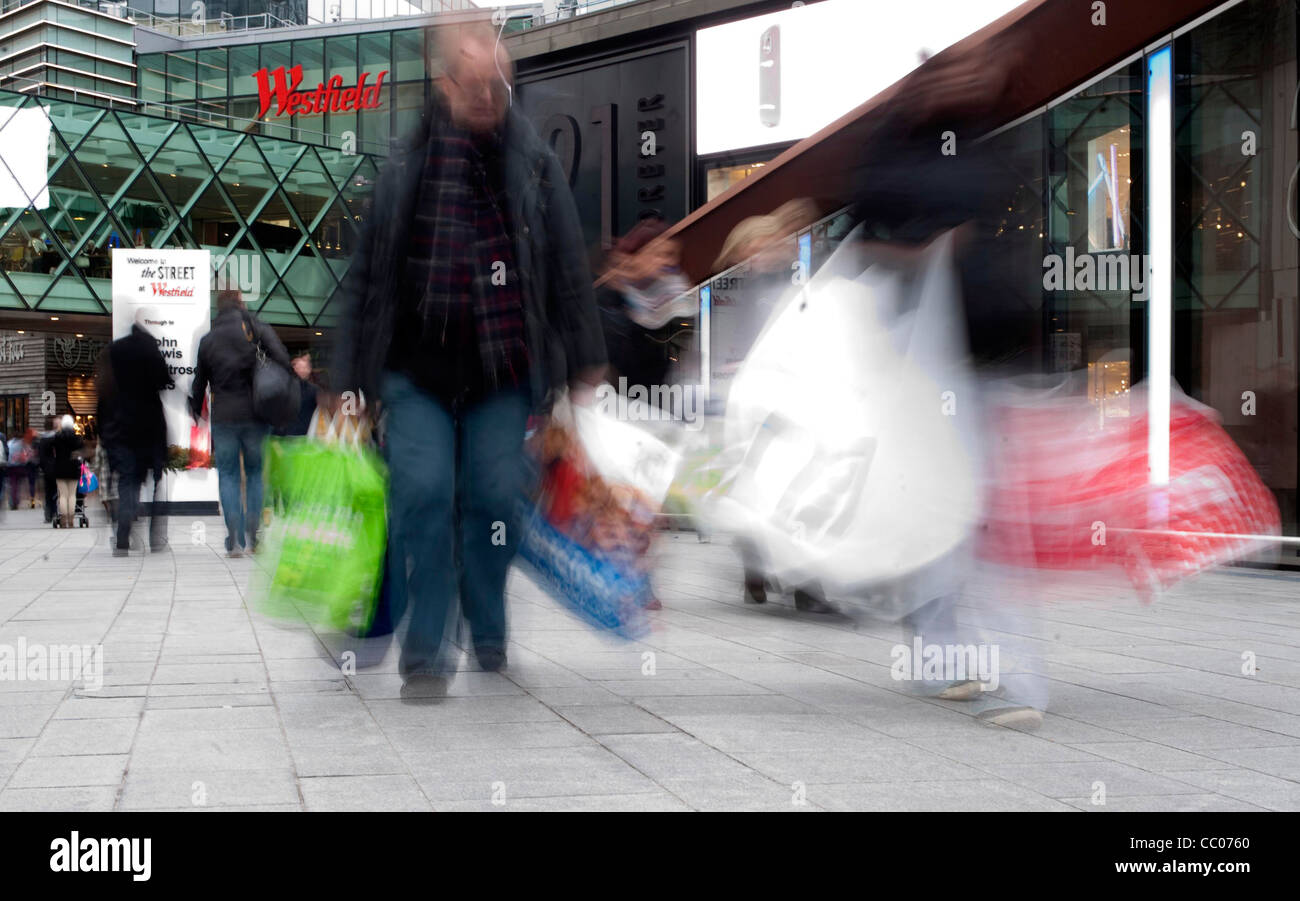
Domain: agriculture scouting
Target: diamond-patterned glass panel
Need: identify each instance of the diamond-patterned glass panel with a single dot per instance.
(123, 179)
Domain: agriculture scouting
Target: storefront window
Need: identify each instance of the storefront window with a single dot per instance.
(276, 55)
(243, 63)
(720, 179)
(1236, 318)
(212, 73)
(181, 76)
(311, 56)
(408, 55)
(375, 52)
(341, 58)
(410, 103)
(152, 76)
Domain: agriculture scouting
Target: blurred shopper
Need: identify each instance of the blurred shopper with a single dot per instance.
(20, 456)
(43, 466)
(310, 396)
(906, 193)
(642, 293)
(105, 399)
(763, 248)
(103, 468)
(136, 431)
(470, 303)
(66, 468)
(226, 360)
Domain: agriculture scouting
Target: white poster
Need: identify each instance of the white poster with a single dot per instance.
(25, 152)
(166, 292)
(782, 76)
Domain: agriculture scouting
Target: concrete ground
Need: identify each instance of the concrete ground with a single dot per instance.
(206, 703)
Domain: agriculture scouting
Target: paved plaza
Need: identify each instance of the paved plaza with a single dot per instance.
(724, 706)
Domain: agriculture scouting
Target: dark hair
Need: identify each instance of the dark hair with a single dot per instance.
(229, 299)
(641, 234)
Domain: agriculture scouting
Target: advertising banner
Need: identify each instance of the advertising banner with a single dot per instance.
(166, 292)
(782, 76)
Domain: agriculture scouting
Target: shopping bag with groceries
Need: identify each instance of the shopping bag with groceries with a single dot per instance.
(588, 534)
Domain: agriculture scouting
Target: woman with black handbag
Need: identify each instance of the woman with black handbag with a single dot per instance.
(242, 359)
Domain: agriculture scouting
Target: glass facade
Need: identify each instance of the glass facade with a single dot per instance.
(280, 216)
(1235, 232)
(61, 50)
(217, 85)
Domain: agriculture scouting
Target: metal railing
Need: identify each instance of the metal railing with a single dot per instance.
(570, 9)
(371, 10)
(190, 28)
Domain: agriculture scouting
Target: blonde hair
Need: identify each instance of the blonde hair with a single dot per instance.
(786, 219)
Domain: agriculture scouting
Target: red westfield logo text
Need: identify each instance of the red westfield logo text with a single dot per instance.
(280, 87)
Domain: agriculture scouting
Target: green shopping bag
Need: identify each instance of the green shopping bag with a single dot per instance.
(325, 550)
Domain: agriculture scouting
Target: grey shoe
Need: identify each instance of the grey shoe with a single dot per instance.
(424, 687)
(961, 691)
(1012, 717)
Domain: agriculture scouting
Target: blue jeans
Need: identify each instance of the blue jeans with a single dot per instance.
(243, 515)
(457, 478)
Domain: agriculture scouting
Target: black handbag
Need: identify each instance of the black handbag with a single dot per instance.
(276, 391)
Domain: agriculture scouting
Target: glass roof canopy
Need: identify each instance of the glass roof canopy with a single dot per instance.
(280, 217)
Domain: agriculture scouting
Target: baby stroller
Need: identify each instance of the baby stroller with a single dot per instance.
(87, 484)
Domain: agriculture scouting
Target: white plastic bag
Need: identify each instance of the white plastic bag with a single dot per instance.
(853, 465)
(624, 454)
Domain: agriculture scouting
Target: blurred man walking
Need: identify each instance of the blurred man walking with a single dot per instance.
(470, 303)
(135, 432)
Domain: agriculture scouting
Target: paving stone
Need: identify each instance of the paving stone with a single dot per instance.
(364, 793)
(207, 705)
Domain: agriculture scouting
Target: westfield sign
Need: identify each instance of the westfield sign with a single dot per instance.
(280, 87)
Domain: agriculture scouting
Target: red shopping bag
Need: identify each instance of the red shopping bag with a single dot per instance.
(201, 440)
(1071, 491)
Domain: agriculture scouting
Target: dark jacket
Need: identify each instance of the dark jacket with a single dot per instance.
(139, 374)
(640, 355)
(309, 396)
(66, 444)
(227, 357)
(561, 326)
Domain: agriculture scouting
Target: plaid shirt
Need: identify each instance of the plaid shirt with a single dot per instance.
(461, 274)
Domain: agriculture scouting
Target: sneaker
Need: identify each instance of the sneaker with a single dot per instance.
(653, 604)
(424, 686)
(755, 591)
(1012, 717)
(121, 552)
